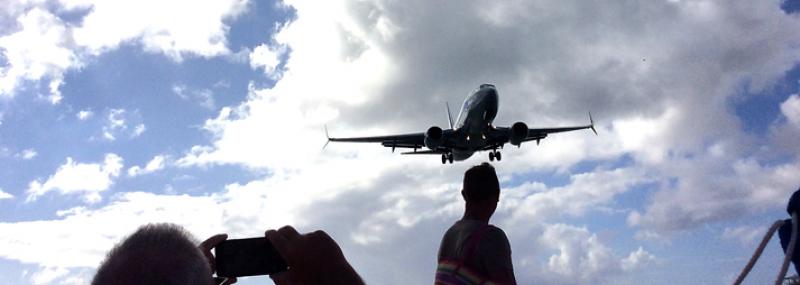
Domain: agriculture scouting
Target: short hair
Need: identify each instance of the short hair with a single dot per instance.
(480, 183)
(155, 254)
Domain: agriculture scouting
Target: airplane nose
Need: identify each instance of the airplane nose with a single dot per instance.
(491, 94)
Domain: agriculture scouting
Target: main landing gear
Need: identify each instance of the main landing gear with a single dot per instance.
(447, 157)
(495, 154)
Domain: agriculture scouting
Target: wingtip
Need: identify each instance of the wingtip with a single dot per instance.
(326, 136)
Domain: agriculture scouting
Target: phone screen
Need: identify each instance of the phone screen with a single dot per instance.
(247, 257)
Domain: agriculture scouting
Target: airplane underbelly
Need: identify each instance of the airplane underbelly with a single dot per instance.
(462, 155)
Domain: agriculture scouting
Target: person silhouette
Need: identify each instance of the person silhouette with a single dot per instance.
(785, 231)
(472, 251)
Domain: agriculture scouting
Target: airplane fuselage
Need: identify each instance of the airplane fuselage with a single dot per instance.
(475, 118)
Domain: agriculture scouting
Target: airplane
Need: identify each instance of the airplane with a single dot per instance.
(472, 132)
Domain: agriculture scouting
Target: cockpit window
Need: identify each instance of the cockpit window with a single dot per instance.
(485, 85)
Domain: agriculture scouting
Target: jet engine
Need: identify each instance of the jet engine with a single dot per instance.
(519, 131)
(434, 137)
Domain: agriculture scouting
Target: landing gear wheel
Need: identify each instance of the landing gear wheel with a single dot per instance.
(444, 158)
(491, 156)
(498, 156)
(450, 157)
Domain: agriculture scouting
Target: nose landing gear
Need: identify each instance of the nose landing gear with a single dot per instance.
(494, 154)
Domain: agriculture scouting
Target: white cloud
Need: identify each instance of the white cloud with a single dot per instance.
(746, 235)
(48, 275)
(27, 154)
(740, 186)
(638, 259)
(203, 97)
(155, 26)
(118, 124)
(4, 195)
(76, 241)
(88, 179)
(155, 164)
(791, 109)
(138, 130)
(84, 115)
(115, 122)
(41, 49)
(45, 48)
(581, 258)
(586, 192)
(266, 57)
(180, 89)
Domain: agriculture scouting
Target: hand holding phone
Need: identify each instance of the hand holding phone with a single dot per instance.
(314, 258)
(247, 257)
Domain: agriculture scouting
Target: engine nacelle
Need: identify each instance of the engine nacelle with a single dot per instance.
(434, 137)
(519, 131)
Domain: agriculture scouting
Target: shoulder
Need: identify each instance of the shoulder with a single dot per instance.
(496, 236)
(496, 232)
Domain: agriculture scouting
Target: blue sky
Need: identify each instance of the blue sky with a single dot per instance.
(113, 115)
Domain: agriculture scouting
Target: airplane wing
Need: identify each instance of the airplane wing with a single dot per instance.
(415, 140)
(412, 140)
(503, 134)
(540, 133)
(534, 133)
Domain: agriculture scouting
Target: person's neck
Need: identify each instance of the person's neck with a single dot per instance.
(476, 215)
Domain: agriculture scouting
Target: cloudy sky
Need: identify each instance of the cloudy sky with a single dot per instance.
(211, 115)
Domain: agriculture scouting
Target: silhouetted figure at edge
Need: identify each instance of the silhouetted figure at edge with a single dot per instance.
(785, 231)
(473, 251)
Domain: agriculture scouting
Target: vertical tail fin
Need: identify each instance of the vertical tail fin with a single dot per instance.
(449, 117)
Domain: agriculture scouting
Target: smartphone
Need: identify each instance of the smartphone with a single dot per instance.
(247, 257)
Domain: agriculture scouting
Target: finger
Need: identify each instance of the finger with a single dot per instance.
(213, 241)
(320, 234)
(212, 264)
(207, 245)
(278, 241)
(289, 233)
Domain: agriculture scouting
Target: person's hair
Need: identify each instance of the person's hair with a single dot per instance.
(155, 254)
(794, 203)
(480, 183)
